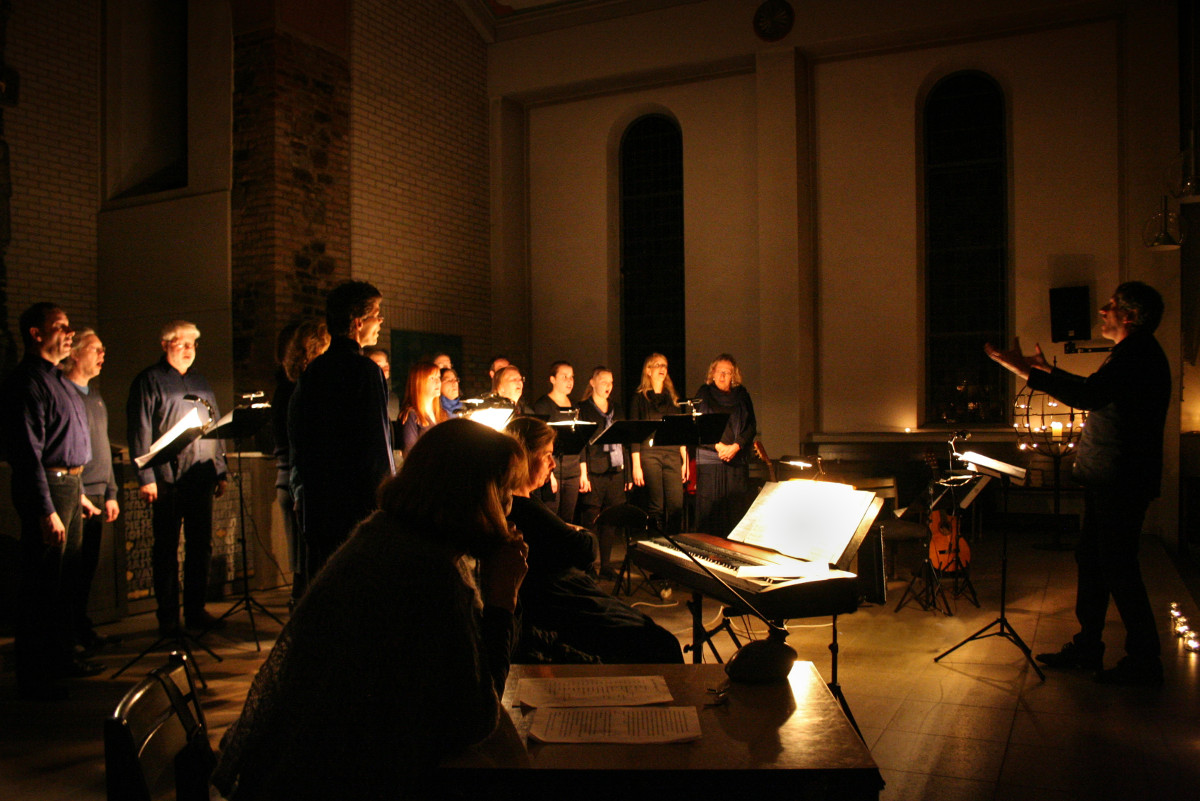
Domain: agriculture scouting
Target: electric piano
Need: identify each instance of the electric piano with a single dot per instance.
(788, 556)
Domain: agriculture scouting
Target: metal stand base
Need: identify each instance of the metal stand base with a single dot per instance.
(178, 640)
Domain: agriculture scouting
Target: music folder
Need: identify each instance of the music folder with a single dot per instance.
(187, 430)
(241, 423)
(625, 432)
(688, 429)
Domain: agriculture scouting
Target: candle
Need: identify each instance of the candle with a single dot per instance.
(1056, 430)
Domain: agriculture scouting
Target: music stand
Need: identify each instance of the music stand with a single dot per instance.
(987, 466)
(240, 424)
(166, 449)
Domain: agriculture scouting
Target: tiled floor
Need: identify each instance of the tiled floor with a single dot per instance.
(977, 725)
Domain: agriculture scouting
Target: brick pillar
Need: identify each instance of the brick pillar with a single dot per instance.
(291, 190)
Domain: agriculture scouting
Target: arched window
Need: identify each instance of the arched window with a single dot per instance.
(966, 250)
(652, 307)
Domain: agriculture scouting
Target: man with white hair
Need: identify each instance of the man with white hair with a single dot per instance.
(180, 490)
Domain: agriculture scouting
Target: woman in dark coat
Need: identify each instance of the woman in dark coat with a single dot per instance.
(723, 469)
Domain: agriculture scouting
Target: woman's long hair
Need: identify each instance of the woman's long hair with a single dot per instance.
(310, 340)
(417, 399)
(533, 434)
(455, 484)
(647, 386)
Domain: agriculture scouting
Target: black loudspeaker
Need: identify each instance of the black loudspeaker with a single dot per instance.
(1070, 313)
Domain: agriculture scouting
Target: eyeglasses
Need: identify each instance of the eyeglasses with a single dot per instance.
(449, 380)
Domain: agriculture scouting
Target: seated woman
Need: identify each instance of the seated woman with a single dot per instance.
(562, 605)
(398, 653)
(422, 408)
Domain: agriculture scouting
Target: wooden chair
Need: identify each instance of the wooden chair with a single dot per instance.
(156, 740)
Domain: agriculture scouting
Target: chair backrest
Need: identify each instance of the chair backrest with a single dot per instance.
(155, 742)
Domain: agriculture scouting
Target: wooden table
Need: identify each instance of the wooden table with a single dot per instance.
(789, 739)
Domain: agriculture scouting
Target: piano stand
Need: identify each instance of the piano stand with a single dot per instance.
(701, 635)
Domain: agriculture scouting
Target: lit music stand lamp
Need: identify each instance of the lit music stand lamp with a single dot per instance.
(492, 411)
(988, 466)
(241, 424)
(166, 449)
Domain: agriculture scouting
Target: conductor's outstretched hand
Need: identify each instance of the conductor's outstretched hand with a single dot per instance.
(1017, 362)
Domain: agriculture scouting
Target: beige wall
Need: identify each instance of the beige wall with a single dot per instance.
(1093, 119)
(1062, 91)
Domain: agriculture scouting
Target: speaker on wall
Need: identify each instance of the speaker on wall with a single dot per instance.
(1071, 315)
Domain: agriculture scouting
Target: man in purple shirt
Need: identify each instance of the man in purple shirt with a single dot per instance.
(46, 443)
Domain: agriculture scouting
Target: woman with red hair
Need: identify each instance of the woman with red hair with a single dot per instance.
(422, 408)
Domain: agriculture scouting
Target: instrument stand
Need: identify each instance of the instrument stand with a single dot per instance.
(1004, 629)
(179, 640)
(925, 587)
(245, 427)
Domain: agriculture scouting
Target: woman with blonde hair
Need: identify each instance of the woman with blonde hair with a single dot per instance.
(398, 654)
(661, 469)
(723, 469)
(604, 469)
(422, 408)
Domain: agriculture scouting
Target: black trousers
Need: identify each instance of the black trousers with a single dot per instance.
(43, 639)
(297, 551)
(608, 489)
(721, 496)
(89, 559)
(662, 470)
(1107, 557)
(188, 503)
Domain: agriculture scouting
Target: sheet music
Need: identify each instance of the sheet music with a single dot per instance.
(652, 724)
(804, 519)
(592, 691)
(188, 421)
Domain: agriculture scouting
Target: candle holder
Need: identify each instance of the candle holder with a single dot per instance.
(1044, 425)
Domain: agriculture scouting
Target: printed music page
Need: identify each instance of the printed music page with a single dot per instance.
(804, 519)
(645, 724)
(593, 691)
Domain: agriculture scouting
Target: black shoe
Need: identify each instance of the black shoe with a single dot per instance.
(83, 668)
(92, 642)
(203, 621)
(43, 692)
(1075, 656)
(1130, 672)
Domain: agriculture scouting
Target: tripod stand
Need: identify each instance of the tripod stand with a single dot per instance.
(1003, 627)
(179, 640)
(243, 423)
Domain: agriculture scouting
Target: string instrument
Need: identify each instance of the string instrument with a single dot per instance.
(948, 551)
(761, 453)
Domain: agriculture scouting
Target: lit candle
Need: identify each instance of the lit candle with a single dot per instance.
(1056, 430)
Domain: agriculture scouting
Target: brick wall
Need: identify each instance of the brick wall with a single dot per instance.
(419, 166)
(291, 189)
(53, 137)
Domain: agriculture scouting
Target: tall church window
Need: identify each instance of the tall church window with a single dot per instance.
(966, 250)
(652, 279)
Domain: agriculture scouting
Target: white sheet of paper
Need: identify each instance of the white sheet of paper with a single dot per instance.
(785, 569)
(593, 691)
(642, 724)
(189, 420)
